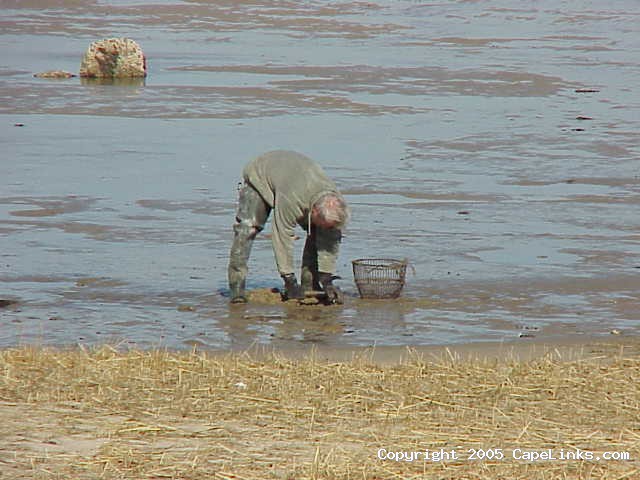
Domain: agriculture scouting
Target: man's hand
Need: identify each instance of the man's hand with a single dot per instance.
(292, 289)
(333, 293)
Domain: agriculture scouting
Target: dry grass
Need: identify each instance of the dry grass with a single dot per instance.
(157, 414)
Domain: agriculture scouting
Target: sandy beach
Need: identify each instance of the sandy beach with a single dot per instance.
(536, 412)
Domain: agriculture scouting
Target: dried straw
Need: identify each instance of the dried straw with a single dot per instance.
(156, 414)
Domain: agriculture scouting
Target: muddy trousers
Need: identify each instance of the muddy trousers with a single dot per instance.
(251, 216)
(309, 277)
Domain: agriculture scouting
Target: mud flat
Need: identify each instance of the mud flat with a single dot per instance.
(494, 147)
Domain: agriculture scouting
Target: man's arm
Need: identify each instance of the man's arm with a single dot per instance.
(282, 240)
(283, 231)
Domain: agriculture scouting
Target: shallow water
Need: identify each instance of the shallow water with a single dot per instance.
(496, 148)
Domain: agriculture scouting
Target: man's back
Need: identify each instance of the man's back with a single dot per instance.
(290, 174)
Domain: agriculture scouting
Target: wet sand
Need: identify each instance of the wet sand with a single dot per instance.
(494, 147)
(560, 348)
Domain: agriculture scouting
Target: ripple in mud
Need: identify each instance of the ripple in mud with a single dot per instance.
(400, 80)
(99, 282)
(297, 19)
(103, 233)
(7, 302)
(49, 206)
(203, 207)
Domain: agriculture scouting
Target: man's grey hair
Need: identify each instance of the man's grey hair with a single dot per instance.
(332, 208)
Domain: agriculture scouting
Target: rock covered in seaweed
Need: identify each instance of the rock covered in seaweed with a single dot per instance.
(113, 58)
(54, 74)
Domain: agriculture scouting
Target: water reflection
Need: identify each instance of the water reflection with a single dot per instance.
(116, 82)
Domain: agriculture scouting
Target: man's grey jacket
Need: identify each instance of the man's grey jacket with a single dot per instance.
(290, 183)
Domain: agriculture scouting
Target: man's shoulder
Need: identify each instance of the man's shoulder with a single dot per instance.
(283, 156)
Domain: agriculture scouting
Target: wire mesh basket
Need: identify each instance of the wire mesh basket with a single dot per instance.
(379, 277)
